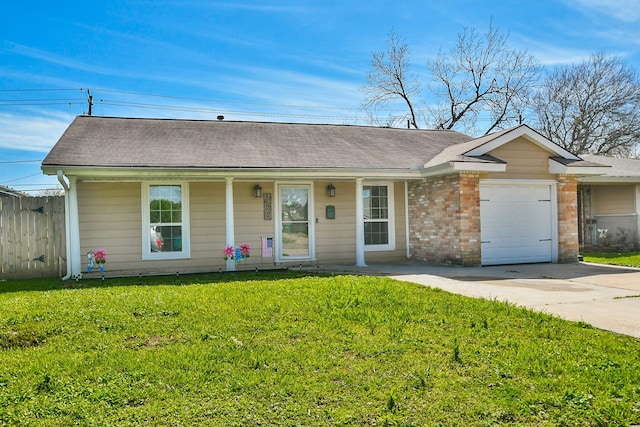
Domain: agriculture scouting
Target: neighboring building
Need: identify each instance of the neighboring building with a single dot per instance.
(10, 192)
(609, 214)
(166, 196)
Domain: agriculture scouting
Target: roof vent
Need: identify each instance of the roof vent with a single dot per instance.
(220, 118)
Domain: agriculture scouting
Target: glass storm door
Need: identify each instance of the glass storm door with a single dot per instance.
(295, 226)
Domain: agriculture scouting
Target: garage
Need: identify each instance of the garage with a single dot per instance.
(518, 222)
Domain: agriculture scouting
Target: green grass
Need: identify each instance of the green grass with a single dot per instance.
(628, 259)
(288, 349)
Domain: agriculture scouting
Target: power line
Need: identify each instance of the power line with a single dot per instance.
(36, 90)
(24, 177)
(317, 107)
(20, 161)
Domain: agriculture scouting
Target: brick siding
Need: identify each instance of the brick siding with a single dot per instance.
(445, 219)
(567, 218)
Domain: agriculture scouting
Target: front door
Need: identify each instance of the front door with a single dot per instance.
(296, 227)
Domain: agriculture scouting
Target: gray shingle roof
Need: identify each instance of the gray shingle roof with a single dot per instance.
(619, 167)
(171, 143)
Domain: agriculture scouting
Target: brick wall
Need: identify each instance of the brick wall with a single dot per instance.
(444, 224)
(567, 218)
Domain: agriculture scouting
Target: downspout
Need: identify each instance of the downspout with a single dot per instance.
(66, 223)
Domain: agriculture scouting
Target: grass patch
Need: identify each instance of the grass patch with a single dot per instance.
(289, 349)
(627, 259)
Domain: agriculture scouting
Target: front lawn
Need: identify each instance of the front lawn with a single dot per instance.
(628, 259)
(285, 349)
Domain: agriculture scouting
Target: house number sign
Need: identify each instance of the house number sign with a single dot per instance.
(266, 198)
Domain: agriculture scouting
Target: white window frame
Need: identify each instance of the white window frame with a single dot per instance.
(390, 221)
(278, 222)
(186, 226)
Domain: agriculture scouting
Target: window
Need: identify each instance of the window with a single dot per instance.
(378, 217)
(165, 213)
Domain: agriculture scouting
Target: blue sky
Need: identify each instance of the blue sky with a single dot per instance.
(274, 60)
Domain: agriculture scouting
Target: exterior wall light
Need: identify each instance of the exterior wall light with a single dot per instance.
(331, 190)
(257, 190)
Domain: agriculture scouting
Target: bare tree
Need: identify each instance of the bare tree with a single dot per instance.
(389, 79)
(482, 78)
(51, 191)
(591, 107)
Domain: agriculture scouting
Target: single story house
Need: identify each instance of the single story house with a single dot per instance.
(167, 195)
(609, 208)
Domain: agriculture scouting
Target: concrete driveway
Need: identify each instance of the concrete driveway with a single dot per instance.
(602, 296)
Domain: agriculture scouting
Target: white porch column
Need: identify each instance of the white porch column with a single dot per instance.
(407, 236)
(359, 225)
(74, 228)
(638, 213)
(229, 225)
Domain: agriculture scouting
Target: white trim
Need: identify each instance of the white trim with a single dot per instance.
(360, 260)
(248, 174)
(230, 238)
(556, 167)
(390, 220)
(553, 191)
(614, 180)
(637, 197)
(74, 233)
(67, 228)
(528, 133)
(147, 255)
(406, 218)
(479, 167)
(308, 185)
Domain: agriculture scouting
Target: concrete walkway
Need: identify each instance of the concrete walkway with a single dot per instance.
(602, 296)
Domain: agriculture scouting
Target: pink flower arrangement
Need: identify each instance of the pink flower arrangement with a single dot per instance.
(228, 252)
(245, 250)
(100, 255)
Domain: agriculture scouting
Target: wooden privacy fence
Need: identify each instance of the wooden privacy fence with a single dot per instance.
(32, 237)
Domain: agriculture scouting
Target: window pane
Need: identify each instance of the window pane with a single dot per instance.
(376, 233)
(166, 238)
(294, 204)
(165, 204)
(295, 239)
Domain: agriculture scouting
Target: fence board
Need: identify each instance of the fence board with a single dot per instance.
(32, 237)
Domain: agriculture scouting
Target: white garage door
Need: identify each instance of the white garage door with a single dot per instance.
(517, 225)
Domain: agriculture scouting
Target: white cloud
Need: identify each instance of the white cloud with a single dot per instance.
(622, 10)
(30, 132)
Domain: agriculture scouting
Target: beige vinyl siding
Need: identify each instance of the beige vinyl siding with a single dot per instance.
(110, 215)
(613, 199)
(249, 222)
(336, 238)
(110, 218)
(525, 160)
(207, 226)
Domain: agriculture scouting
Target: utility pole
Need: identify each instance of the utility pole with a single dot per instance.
(90, 100)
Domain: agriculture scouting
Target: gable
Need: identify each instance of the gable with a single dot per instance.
(523, 158)
(489, 143)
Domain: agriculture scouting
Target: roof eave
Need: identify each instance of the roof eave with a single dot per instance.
(605, 179)
(136, 173)
(452, 167)
(562, 169)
